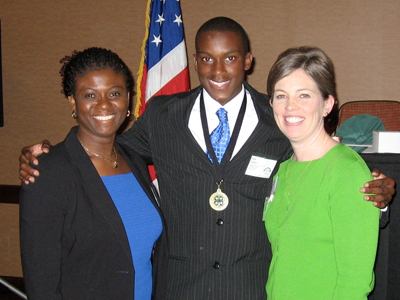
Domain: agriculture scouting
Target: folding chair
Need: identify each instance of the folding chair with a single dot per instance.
(386, 110)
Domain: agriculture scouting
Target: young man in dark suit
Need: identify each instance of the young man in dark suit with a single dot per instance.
(218, 245)
(215, 254)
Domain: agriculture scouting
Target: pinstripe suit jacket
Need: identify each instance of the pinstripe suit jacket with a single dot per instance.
(213, 255)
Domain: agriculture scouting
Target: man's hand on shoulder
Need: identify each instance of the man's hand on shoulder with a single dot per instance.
(28, 156)
(381, 188)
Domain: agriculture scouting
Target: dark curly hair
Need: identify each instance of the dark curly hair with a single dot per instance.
(92, 59)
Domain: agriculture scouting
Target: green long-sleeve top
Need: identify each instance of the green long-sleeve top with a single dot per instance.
(323, 234)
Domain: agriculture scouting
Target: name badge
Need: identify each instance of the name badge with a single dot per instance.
(261, 167)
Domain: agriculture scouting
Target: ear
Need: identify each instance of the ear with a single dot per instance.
(248, 61)
(72, 102)
(329, 103)
(270, 101)
(195, 61)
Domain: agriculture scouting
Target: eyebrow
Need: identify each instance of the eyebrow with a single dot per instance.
(113, 87)
(229, 52)
(299, 90)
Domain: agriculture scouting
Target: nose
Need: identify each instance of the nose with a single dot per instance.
(103, 102)
(219, 67)
(291, 103)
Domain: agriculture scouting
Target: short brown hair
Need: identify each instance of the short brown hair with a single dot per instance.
(317, 65)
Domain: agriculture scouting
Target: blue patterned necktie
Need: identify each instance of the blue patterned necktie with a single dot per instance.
(220, 136)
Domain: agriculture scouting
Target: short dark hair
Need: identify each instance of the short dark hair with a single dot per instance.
(221, 24)
(91, 59)
(317, 65)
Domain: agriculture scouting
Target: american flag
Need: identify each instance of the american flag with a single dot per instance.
(163, 69)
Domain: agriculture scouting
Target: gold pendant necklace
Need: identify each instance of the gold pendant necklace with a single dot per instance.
(115, 165)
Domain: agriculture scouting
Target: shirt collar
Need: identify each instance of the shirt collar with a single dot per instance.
(232, 107)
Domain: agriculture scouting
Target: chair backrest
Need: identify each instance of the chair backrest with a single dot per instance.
(386, 110)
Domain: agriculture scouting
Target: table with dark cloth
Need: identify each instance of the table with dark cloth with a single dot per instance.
(387, 266)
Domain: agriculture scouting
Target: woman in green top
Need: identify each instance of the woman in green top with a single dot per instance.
(323, 235)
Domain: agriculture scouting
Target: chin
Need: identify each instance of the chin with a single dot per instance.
(292, 135)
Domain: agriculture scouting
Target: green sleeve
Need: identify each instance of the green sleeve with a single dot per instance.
(355, 225)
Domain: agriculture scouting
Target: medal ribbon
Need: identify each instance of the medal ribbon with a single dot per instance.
(219, 168)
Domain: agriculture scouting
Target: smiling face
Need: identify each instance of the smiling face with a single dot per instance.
(221, 64)
(101, 101)
(299, 107)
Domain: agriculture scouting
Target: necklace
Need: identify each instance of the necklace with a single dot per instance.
(115, 165)
(289, 185)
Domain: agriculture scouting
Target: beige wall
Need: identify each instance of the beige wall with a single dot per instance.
(10, 255)
(361, 36)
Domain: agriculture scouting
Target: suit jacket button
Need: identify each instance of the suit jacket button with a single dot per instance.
(216, 265)
(220, 222)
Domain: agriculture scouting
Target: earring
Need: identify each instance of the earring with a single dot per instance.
(74, 114)
(128, 113)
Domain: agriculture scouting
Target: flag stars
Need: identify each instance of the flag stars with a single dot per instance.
(157, 40)
(160, 19)
(178, 19)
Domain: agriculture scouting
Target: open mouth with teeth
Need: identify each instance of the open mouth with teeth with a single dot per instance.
(219, 84)
(293, 120)
(104, 118)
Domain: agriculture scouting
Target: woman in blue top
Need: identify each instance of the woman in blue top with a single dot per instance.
(91, 222)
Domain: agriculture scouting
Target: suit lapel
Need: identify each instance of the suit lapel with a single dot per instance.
(95, 190)
(180, 112)
(259, 135)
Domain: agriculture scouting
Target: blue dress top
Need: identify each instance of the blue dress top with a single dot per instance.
(142, 223)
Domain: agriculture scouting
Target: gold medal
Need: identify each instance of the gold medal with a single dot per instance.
(219, 200)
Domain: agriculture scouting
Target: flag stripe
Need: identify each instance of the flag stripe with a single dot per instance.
(176, 85)
(165, 70)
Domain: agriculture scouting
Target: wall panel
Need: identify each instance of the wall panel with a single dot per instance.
(362, 38)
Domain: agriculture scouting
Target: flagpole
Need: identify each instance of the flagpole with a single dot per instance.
(140, 72)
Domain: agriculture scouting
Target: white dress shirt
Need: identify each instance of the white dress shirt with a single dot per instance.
(250, 119)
